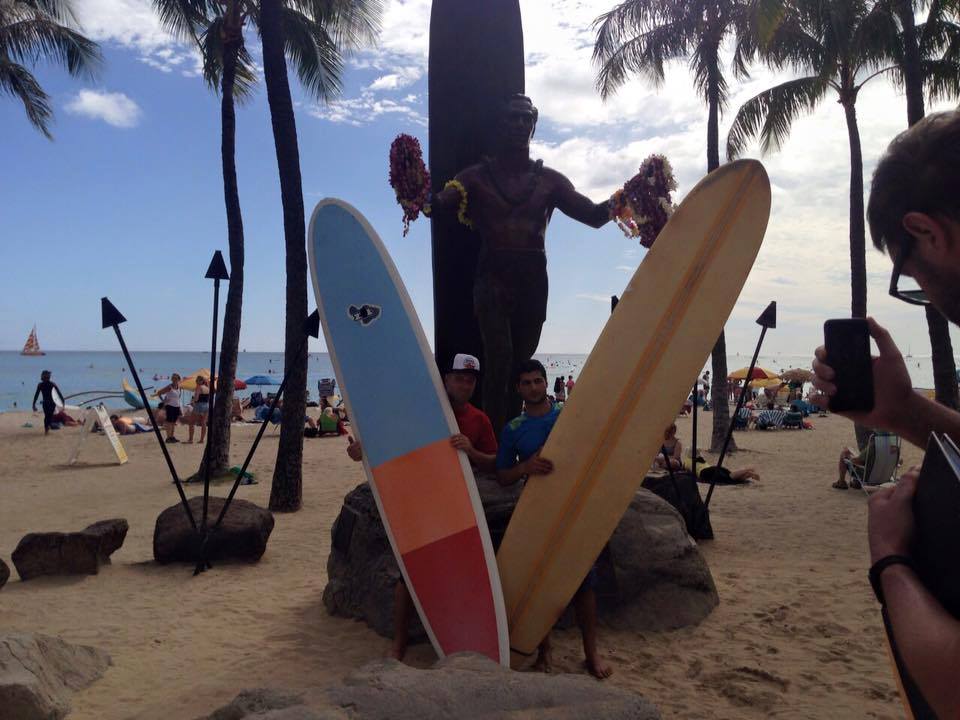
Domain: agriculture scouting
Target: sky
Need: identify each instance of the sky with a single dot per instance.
(127, 200)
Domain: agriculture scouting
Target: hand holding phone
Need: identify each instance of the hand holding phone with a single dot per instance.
(847, 342)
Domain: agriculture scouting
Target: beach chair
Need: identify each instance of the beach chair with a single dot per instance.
(741, 420)
(770, 420)
(880, 467)
(793, 420)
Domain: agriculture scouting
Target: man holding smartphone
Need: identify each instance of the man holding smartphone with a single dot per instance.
(914, 215)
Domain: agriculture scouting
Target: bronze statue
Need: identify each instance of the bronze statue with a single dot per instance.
(509, 199)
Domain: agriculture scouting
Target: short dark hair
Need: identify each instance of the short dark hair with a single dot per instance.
(529, 366)
(919, 172)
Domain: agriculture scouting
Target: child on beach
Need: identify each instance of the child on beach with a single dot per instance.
(45, 388)
(170, 395)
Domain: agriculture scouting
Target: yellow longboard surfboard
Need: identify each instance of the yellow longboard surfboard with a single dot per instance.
(637, 376)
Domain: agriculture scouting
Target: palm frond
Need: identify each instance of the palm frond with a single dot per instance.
(16, 80)
(212, 53)
(627, 20)
(313, 54)
(644, 55)
(795, 44)
(705, 63)
(37, 38)
(184, 19)
(770, 114)
(876, 38)
(350, 24)
(941, 79)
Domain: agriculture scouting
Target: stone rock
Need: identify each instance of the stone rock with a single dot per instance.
(242, 535)
(112, 533)
(4, 573)
(38, 673)
(75, 553)
(651, 577)
(267, 704)
(470, 687)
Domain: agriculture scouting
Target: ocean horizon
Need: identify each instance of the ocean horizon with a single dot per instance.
(103, 370)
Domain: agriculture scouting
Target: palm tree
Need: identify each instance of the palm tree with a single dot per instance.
(837, 45)
(35, 30)
(217, 29)
(313, 34)
(931, 57)
(638, 37)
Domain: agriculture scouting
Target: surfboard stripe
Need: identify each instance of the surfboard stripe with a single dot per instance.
(592, 470)
(351, 269)
(451, 583)
(404, 485)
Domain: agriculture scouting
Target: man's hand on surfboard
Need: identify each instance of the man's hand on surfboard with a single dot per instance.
(537, 465)
(890, 517)
(893, 390)
(354, 449)
(461, 442)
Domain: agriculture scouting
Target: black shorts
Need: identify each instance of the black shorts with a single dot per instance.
(49, 409)
(173, 413)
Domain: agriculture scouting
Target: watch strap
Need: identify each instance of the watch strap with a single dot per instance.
(876, 570)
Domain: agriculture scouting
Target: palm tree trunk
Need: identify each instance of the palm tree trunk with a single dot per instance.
(218, 448)
(287, 490)
(941, 348)
(858, 241)
(718, 358)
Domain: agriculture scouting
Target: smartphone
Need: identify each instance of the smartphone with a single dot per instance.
(847, 342)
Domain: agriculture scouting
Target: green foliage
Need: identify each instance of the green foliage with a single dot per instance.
(34, 31)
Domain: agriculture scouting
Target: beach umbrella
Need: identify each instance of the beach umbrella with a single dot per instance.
(758, 373)
(190, 381)
(259, 380)
(770, 383)
(797, 375)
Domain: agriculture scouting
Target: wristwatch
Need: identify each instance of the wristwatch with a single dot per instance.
(882, 564)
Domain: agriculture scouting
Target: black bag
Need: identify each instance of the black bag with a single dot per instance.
(681, 491)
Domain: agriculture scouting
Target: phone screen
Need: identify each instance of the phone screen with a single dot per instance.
(847, 343)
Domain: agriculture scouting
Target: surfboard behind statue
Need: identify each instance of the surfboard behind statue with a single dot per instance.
(634, 381)
(475, 64)
(424, 489)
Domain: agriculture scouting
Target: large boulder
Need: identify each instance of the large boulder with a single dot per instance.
(242, 535)
(463, 686)
(4, 573)
(651, 576)
(39, 673)
(74, 553)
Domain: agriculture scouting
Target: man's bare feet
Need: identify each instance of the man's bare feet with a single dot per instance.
(544, 661)
(598, 668)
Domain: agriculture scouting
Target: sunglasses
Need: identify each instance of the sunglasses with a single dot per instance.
(914, 296)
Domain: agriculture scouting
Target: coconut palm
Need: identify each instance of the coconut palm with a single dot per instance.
(32, 31)
(313, 35)
(930, 60)
(217, 30)
(636, 38)
(837, 46)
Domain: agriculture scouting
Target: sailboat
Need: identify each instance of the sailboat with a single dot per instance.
(32, 346)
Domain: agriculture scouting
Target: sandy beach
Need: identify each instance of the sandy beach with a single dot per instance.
(796, 635)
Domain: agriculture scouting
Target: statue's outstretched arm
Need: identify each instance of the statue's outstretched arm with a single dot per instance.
(577, 206)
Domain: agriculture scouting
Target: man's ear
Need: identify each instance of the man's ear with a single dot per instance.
(929, 232)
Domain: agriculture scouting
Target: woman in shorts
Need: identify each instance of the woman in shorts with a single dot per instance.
(201, 406)
(171, 397)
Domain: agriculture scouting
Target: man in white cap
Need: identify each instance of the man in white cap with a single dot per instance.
(476, 439)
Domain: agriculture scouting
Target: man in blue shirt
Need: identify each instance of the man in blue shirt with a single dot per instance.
(518, 457)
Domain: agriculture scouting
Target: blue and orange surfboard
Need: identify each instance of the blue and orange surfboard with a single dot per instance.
(424, 489)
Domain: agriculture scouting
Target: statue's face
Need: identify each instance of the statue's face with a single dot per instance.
(519, 122)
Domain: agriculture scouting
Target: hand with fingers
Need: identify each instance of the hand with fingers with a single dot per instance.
(890, 517)
(893, 389)
(538, 465)
(354, 449)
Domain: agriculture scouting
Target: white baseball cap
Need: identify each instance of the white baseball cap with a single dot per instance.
(465, 363)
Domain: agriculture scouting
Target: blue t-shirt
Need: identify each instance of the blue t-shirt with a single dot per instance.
(523, 436)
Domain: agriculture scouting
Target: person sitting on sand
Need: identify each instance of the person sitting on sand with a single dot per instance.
(517, 459)
(671, 448)
(475, 439)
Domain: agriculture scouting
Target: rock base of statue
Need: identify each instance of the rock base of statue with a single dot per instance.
(652, 575)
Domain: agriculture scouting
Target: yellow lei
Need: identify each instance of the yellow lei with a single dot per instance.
(462, 210)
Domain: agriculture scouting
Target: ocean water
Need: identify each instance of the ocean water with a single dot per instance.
(75, 372)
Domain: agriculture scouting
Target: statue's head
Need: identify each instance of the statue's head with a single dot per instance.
(519, 121)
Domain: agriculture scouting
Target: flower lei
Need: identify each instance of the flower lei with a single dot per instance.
(643, 206)
(410, 179)
(462, 209)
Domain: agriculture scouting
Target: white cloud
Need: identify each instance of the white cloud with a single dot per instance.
(594, 297)
(403, 77)
(366, 108)
(113, 108)
(625, 268)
